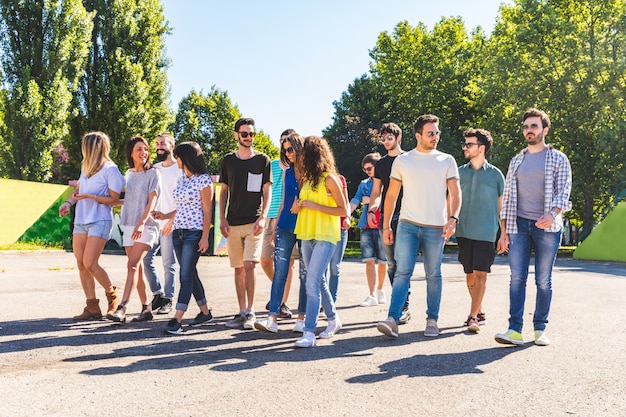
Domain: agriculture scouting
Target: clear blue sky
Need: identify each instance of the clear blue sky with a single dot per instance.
(285, 62)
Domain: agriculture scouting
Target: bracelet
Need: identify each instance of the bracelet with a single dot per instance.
(68, 202)
(456, 219)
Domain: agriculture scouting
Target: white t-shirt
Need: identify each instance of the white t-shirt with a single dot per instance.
(424, 179)
(108, 178)
(169, 179)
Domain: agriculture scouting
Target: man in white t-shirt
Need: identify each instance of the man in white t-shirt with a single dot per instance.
(427, 177)
(163, 292)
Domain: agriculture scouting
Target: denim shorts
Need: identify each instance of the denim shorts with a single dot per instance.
(101, 229)
(372, 246)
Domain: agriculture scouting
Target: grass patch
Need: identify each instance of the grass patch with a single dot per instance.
(31, 246)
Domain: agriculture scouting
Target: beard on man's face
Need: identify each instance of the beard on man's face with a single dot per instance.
(162, 154)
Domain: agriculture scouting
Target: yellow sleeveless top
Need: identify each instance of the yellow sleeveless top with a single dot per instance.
(313, 224)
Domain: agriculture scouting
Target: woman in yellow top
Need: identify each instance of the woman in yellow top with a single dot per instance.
(320, 204)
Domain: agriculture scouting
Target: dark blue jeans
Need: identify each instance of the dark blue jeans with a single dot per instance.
(546, 245)
(186, 248)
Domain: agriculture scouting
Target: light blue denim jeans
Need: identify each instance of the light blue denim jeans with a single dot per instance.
(334, 269)
(391, 255)
(317, 255)
(284, 240)
(546, 245)
(409, 239)
(186, 248)
(168, 259)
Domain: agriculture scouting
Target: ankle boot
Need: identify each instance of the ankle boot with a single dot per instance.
(119, 315)
(114, 301)
(145, 315)
(91, 311)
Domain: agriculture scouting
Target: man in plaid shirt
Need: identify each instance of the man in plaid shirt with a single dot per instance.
(536, 194)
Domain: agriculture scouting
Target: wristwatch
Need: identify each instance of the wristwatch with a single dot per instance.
(456, 219)
(553, 213)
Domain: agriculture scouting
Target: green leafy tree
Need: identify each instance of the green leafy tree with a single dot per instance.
(567, 58)
(263, 143)
(435, 72)
(45, 47)
(353, 133)
(124, 89)
(209, 120)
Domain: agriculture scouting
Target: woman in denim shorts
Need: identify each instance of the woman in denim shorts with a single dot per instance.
(98, 189)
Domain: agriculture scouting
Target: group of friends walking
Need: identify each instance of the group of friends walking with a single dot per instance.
(272, 212)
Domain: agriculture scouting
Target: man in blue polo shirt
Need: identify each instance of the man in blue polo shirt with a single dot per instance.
(482, 185)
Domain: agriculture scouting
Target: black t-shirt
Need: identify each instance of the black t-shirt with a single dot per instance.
(382, 172)
(245, 179)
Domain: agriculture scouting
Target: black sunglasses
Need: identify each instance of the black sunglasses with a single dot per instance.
(246, 134)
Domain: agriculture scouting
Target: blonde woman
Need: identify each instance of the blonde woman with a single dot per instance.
(98, 189)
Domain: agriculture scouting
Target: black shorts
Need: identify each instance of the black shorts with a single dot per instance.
(476, 255)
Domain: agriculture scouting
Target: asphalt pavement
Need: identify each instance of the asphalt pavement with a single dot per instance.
(51, 366)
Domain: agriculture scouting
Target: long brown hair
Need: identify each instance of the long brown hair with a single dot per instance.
(296, 141)
(315, 159)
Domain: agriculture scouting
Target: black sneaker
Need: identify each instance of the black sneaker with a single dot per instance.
(201, 319)
(405, 316)
(173, 327)
(165, 308)
(158, 301)
(284, 312)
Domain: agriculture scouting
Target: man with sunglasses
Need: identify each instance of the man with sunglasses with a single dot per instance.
(427, 220)
(391, 138)
(245, 190)
(536, 194)
(482, 185)
(371, 242)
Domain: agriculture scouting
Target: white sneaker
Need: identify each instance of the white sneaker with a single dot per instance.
(299, 326)
(333, 327)
(369, 302)
(541, 339)
(380, 294)
(307, 340)
(266, 325)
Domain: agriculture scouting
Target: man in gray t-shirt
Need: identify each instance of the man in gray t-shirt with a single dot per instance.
(536, 194)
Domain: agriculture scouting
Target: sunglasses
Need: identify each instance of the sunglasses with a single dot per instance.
(388, 138)
(288, 150)
(246, 134)
(368, 169)
(533, 126)
(432, 134)
(469, 144)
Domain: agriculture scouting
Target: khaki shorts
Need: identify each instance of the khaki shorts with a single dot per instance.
(267, 249)
(243, 245)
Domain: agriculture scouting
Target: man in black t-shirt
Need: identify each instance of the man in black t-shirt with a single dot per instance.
(391, 138)
(245, 178)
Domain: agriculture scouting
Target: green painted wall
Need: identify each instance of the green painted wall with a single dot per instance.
(607, 242)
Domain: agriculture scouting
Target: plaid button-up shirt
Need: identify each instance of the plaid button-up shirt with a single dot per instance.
(558, 186)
